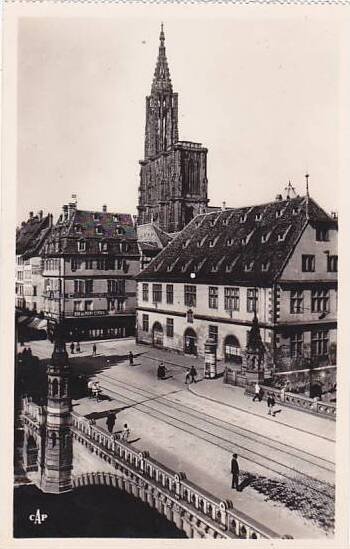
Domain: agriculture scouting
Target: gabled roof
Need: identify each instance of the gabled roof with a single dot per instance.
(247, 245)
(31, 235)
(93, 227)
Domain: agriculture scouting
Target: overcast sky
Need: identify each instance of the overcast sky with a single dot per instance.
(261, 95)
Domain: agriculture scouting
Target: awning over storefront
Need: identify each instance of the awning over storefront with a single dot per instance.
(38, 324)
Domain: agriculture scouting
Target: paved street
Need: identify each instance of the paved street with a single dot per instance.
(287, 462)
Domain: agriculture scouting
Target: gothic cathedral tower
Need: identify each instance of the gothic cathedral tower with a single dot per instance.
(57, 468)
(173, 186)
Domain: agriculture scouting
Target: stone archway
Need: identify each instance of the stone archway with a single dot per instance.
(232, 350)
(190, 342)
(157, 335)
(31, 454)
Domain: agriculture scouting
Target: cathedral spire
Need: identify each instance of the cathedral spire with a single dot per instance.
(161, 80)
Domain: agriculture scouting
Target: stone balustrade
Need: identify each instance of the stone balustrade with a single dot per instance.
(326, 409)
(193, 510)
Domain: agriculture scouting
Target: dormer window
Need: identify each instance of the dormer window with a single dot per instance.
(212, 221)
(186, 243)
(96, 216)
(279, 213)
(116, 218)
(265, 237)
(77, 228)
(265, 266)
(280, 237)
(99, 229)
(243, 218)
(229, 242)
(119, 230)
(248, 266)
(258, 217)
(244, 241)
(295, 211)
(81, 246)
(103, 246)
(213, 241)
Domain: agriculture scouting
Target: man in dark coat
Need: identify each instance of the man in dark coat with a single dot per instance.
(131, 359)
(110, 421)
(235, 472)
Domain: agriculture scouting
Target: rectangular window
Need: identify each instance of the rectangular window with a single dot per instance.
(319, 342)
(322, 234)
(77, 306)
(145, 292)
(252, 300)
(170, 327)
(213, 297)
(34, 291)
(101, 264)
(157, 293)
(319, 301)
(296, 301)
(332, 263)
(190, 295)
(213, 333)
(88, 305)
(73, 264)
(170, 294)
(110, 304)
(145, 323)
(89, 286)
(296, 344)
(231, 299)
(308, 263)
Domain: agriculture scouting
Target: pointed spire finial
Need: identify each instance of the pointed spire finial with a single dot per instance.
(307, 196)
(161, 79)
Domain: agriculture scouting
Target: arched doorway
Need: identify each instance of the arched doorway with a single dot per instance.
(190, 342)
(32, 454)
(232, 350)
(157, 335)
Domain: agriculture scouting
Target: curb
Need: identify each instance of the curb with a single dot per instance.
(260, 415)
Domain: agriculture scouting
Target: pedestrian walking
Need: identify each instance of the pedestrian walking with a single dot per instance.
(131, 359)
(256, 391)
(110, 422)
(188, 374)
(283, 394)
(270, 405)
(193, 374)
(125, 433)
(78, 347)
(72, 348)
(90, 387)
(94, 349)
(235, 472)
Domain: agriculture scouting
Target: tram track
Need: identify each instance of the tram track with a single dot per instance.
(291, 474)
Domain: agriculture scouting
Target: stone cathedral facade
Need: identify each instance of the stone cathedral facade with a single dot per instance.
(173, 176)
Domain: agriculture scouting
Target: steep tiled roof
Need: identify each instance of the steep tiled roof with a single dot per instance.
(93, 228)
(31, 235)
(236, 245)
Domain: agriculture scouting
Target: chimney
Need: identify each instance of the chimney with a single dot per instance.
(223, 208)
(72, 206)
(279, 197)
(40, 215)
(104, 208)
(334, 215)
(31, 215)
(50, 221)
